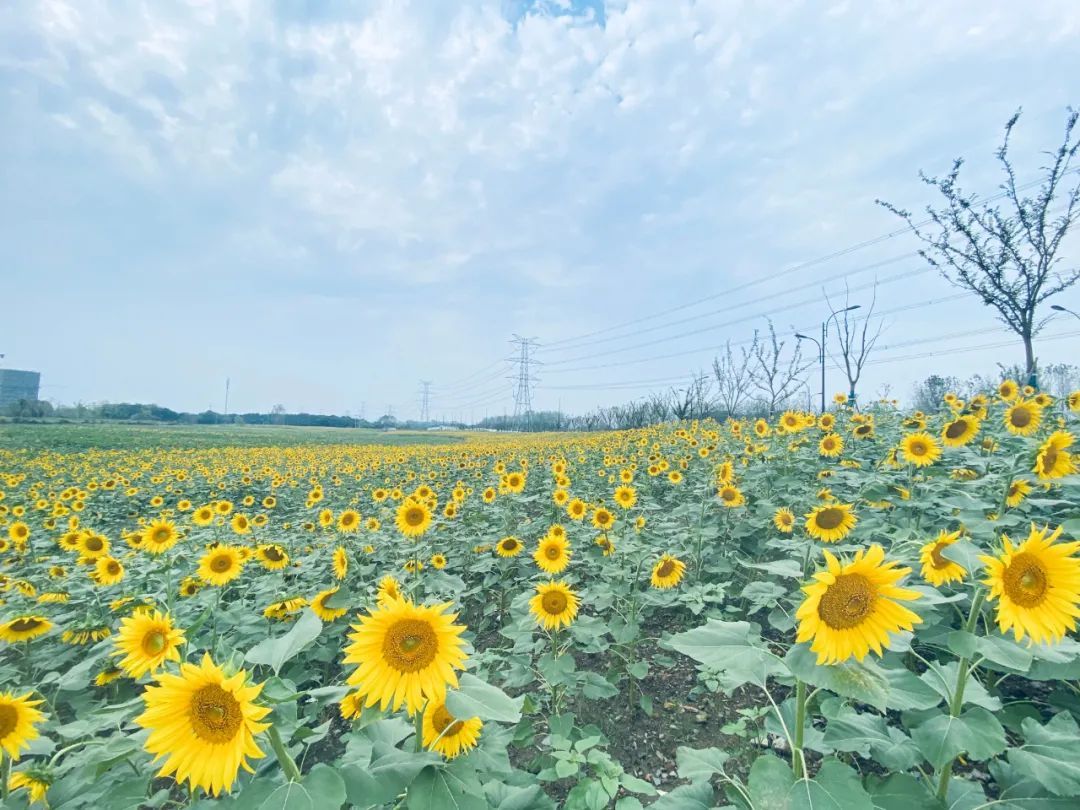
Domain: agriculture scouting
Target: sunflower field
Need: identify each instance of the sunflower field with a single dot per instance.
(859, 609)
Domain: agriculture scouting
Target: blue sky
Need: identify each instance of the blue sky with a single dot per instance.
(328, 206)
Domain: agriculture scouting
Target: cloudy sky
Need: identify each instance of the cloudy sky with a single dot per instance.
(329, 202)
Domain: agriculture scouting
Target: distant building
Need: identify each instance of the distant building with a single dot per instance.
(16, 385)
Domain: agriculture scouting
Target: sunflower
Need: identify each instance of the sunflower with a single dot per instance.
(405, 653)
(667, 572)
(223, 507)
(553, 554)
(1054, 459)
(920, 449)
(831, 445)
(108, 571)
(18, 532)
(1023, 418)
(351, 706)
(204, 724)
(24, 628)
(110, 673)
(146, 641)
(1074, 401)
(514, 482)
(221, 565)
(937, 569)
(286, 609)
(341, 562)
(324, 611)
(413, 518)
(602, 518)
(554, 605)
(960, 431)
(272, 556)
(1018, 490)
(576, 509)
(784, 520)
(851, 608)
(831, 522)
(35, 781)
(1008, 390)
(17, 720)
(509, 547)
(446, 734)
(675, 477)
(1038, 585)
(189, 587)
(92, 546)
(625, 496)
(240, 524)
(348, 521)
(389, 590)
(865, 431)
(203, 516)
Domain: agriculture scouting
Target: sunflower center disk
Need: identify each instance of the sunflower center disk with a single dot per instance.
(215, 714)
(554, 602)
(273, 554)
(9, 718)
(445, 723)
(1025, 581)
(221, 564)
(1049, 460)
(414, 517)
(956, 430)
(937, 558)
(552, 553)
(410, 645)
(1020, 418)
(666, 569)
(25, 625)
(154, 642)
(830, 518)
(847, 602)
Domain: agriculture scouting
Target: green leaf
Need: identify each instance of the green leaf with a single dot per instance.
(596, 687)
(290, 796)
(699, 796)
(769, 782)
(477, 698)
(505, 797)
(835, 787)
(699, 763)
(276, 652)
(438, 789)
(325, 786)
(863, 681)
(868, 734)
(1006, 652)
(734, 648)
(899, 791)
(1050, 754)
(942, 679)
(908, 692)
(77, 678)
(389, 773)
(976, 733)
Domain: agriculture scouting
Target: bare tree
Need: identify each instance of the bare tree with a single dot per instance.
(1008, 259)
(732, 379)
(856, 343)
(777, 379)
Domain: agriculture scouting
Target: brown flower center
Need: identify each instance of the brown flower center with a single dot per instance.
(9, 718)
(1020, 417)
(666, 569)
(830, 518)
(554, 602)
(847, 602)
(154, 642)
(956, 429)
(444, 723)
(1049, 460)
(414, 516)
(26, 625)
(221, 564)
(274, 554)
(1025, 580)
(410, 645)
(94, 544)
(936, 557)
(552, 552)
(215, 714)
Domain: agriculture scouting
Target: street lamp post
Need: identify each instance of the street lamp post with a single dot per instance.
(1057, 307)
(821, 345)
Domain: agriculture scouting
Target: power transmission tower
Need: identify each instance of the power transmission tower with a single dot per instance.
(425, 400)
(226, 396)
(524, 379)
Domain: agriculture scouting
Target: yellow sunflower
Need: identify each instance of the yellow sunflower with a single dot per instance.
(784, 520)
(221, 565)
(830, 446)
(1054, 459)
(351, 706)
(108, 571)
(341, 562)
(35, 781)
(18, 719)
(203, 724)
(203, 516)
(667, 572)
(240, 524)
(444, 733)
(602, 518)
(938, 569)
(272, 556)
(851, 608)
(960, 431)
(731, 496)
(389, 590)
(831, 522)
(1074, 401)
(92, 546)
(24, 628)
(413, 518)
(1018, 490)
(1037, 584)
(576, 509)
(625, 496)
(509, 547)
(324, 611)
(146, 641)
(554, 605)
(348, 521)
(1023, 418)
(438, 561)
(920, 449)
(1008, 390)
(553, 554)
(405, 653)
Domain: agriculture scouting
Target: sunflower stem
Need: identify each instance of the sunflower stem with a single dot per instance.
(287, 763)
(956, 702)
(5, 775)
(798, 760)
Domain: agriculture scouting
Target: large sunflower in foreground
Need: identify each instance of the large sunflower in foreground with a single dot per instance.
(405, 653)
(221, 565)
(938, 569)
(831, 522)
(17, 720)
(554, 605)
(920, 449)
(24, 628)
(204, 725)
(1054, 459)
(553, 554)
(667, 572)
(413, 518)
(447, 734)
(852, 607)
(1037, 585)
(146, 641)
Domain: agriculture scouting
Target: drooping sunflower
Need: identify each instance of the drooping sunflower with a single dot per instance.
(509, 546)
(831, 445)
(784, 520)
(285, 610)
(1023, 418)
(35, 781)
(18, 720)
(446, 734)
(405, 653)
(851, 608)
(341, 562)
(204, 724)
(413, 518)
(625, 496)
(272, 556)
(831, 522)
(108, 571)
(553, 554)
(1054, 459)
(220, 565)
(146, 641)
(24, 628)
(937, 569)
(959, 431)
(1037, 585)
(1018, 490)
(920, 449)
(667, 572)
(351, 706)
(554, 605)
(324, 611)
